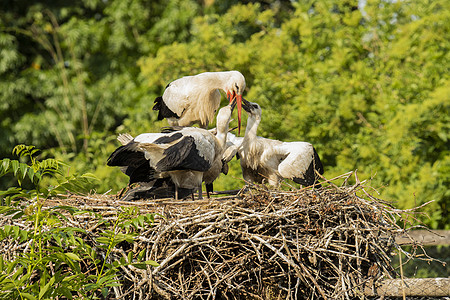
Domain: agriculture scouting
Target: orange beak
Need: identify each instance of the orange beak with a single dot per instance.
(231, 96)
(239, 109)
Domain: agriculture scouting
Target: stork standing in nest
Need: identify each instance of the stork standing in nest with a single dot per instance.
(185, 155)
(270, 160)
(195, 99)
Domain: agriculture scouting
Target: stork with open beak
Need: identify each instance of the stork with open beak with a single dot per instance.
(195, 99)
(267, 160)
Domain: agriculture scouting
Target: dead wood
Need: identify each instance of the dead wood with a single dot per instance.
(328, 243)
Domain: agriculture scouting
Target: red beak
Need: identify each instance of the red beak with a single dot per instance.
(239, 109)
(230, 96)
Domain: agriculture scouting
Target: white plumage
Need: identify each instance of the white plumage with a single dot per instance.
(195, 99)
(232, 146)
(220, 164)
(184, 155)
(267, 160)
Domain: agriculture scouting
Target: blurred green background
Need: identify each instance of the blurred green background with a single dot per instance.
(367, 82)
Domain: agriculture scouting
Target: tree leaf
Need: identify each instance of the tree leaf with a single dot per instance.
(72, 256)
(15, 166)
(46, 287)
(28, 296)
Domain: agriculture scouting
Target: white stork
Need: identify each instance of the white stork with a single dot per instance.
(195, 99)
(230, 150)
(183, 155)
(270, 160)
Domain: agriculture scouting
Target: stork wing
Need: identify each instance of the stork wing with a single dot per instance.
(234, 139)
(170, 129)
(176, 96)
(300, 162)
(141, 173)
(185, 154)
(132, 162)
(127, 155)
(148, 137)
(229, 152)
(299, 156)
(124, 138)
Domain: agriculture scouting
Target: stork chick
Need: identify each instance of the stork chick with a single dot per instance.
(272, 160)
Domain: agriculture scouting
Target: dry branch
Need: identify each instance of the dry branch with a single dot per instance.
(330, 243)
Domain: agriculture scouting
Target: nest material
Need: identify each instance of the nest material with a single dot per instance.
(326, 243)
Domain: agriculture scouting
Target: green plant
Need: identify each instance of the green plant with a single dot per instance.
(54, 260)
(106, 274)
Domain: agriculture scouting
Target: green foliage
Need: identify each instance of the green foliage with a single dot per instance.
(56, 253)
(35, 171)
(367, 86)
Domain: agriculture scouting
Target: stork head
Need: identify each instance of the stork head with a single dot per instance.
(253, 109)
(235, 88)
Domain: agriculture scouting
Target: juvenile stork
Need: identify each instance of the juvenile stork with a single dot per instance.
(183, 155)
(228, 150)
(195, 99)
(270, 160)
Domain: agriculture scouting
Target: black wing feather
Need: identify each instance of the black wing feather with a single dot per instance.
(126, 155)
(169, 129)
(142, 173)
(164, 111)
(318, 162)
(183, 155)
(168, 138)
(137, 166)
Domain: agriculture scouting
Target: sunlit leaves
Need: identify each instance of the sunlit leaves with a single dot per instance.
(9, 57)
(59, 253)
(366, 85)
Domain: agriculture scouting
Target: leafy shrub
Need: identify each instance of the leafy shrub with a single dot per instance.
(55, 261)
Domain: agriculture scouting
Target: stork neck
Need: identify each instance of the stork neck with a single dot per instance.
(251, 129)
(222, 138)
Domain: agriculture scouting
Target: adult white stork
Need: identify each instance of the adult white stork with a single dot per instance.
(183, 155)
(270, 160)
(195, 99)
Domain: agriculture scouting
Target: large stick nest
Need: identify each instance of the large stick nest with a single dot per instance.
(330, 242)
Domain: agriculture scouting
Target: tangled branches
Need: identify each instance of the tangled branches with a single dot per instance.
(325, 242)
(329, 243)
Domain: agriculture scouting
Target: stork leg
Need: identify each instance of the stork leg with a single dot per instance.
(200, 192)
(176, 192)
(209, 189)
